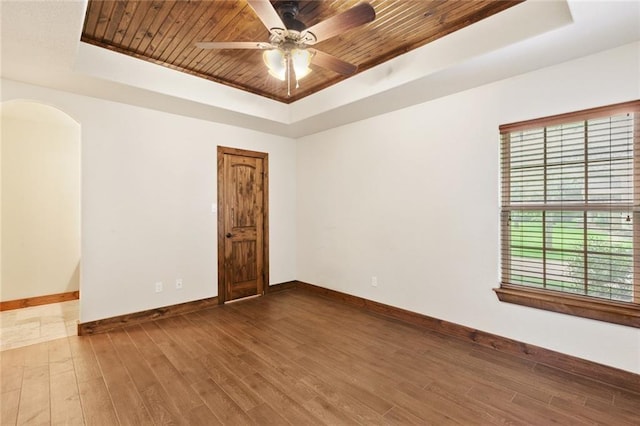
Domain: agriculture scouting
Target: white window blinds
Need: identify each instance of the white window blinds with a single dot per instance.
(570, 203)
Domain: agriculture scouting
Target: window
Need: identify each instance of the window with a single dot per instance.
(570, 230)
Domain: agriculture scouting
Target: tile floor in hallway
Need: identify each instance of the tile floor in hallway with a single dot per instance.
(37, 324)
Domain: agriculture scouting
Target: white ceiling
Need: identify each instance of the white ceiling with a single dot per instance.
(40, 43)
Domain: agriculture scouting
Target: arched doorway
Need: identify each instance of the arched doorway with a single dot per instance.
(39, 210)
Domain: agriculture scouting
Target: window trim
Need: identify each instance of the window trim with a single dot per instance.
(625, 107)
(623, 313)
(571, 304)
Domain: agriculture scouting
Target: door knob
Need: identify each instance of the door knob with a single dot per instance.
(229, 235)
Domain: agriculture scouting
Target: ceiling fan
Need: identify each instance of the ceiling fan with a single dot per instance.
(287, 52)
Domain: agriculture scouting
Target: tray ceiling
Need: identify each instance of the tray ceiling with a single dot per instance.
(165, 33)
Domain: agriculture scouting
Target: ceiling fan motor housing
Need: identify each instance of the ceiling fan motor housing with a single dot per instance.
(288, 10)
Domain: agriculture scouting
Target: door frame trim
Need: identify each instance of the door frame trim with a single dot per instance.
(222, 150)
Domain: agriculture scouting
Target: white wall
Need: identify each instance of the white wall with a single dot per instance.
(148, 182)
(412, 198)
(40, 201)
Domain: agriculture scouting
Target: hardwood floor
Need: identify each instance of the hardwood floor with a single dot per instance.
(292, 358)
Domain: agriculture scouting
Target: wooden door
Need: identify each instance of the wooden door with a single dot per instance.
(242, 223)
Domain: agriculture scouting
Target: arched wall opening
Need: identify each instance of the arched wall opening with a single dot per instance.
(39, 201)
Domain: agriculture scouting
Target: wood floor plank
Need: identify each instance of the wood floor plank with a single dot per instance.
(11, 377)
(13, 357)
(201, 415)
(485, 401)
(434, 368)
(217, 367)
(623, 414)
(127, 402)
(538, 412)
(65, 395)
(590, 415)
(347, 403)
(345, 384)
(400, 416)
(97, 407)
(263, 414)
(511, 373)
(159, 406)
(65, 398)
(328, 413)
(377, 362)
(270, 356)
(220, 349)
(220, 360)
(162, 408)
(183, 396)
(293, 357)
(368, 376)
(59, 350)
(472, 376)
(286, 377)
(9, 402)
(60, 359)
(625, 400)
(84, 359)
(222, 406)
(241, 393)
(36, 355)
(191, 369)
(280, 401)
(215, 335)
(432, 406)
(137, 367)
(577, 384)
(370, 379)
(35, 399)
(184, 333)
(147, 347)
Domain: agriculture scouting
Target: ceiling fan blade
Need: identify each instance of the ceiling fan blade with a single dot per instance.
(332, 63)
(267, 14)
(233, 45)
(359, 14)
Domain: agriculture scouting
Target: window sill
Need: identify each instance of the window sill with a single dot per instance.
(602, 310)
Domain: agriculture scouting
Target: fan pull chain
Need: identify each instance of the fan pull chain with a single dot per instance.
(288, 74)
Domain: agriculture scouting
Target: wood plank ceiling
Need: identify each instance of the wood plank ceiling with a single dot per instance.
(165, 33)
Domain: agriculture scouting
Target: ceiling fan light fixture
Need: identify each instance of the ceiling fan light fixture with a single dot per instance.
(301, 58)
(276, 62)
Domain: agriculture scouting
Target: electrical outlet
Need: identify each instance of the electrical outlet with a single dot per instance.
(158, 286)
(374, 281)
(179, 284)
